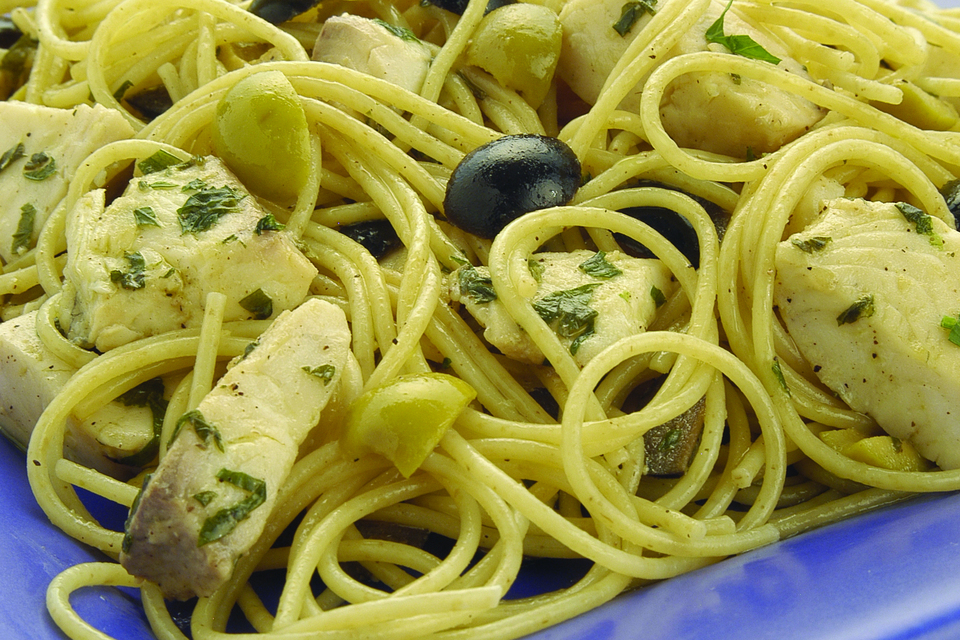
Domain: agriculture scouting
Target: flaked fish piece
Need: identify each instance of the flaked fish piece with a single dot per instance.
(864, 293)
(213, 491)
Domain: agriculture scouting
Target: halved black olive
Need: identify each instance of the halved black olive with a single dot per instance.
(459, 6)
(9, 33)
(151, 103)
(673, 226)
(951, 193)
(504, 179)
(377, 236)
(277, 11)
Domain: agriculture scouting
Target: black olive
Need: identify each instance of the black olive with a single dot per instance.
(152, 102)
(377, 236)
(9, 33)
(504, 179)
(277, 11)
(672, 226)
(951, 193)
(459, 6)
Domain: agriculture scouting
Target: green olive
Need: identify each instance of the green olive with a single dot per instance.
(261, 133)
(519, 45)
(405, 419)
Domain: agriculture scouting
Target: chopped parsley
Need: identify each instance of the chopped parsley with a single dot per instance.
(205, 497)
(134, 278)
(739, 45)
(122, 90)
(147, 394)
(921, 221)
(259, 304)
(11, 155)
(670, 439)
(631, 12)
(24, 233)
(204, 430)
(862, 308)
(143, 185)
(598, 267)
(658, 298)
(778, 374)
(570, 310)
(158, 162)
(953, 326)
(203, 209)
(146, 217)
(268, 223)
(197, 184)
(536, 269)
(812, 245)
(325, 372)
(39, 167)
(401, 32)
(476, 286)
(226, 520)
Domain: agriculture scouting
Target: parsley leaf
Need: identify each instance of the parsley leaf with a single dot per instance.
(598, 267)
(631, 12)
(812, 245)
(476, 286)
(739, 45)
(24, 233)
(158, 162)
(268, 223)
(325, 372)
(204, 430)
(922, 221)
(134, 278)
(952, 325)
(146, 217)
(401, 32)
(204, 208)
(778, 374)
(659, 299)
(11, 155)
(259, 304)
(39, 167)
(227, 519)
(569, 309)
(862, 308)
(148, 394)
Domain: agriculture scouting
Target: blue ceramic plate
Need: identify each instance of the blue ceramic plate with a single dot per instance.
(893, 574)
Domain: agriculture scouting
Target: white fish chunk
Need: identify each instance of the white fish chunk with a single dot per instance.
(209, 498)
(863, 295)
(144, 264)
(611, 307)
(755, 117)
(369, 47)
(31, 376)
(65, 137)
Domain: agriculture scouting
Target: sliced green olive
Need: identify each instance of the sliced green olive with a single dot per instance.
(261, 133)
(405, 419)
(519, 45)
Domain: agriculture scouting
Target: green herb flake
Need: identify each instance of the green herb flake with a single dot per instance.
(659, 299)
(475, 286)
(739, 45)
(11, 155)
(159, 185)
(204, 430)
(921, 221)
(631, 12)
(598, 266)
(127, 541)
(268, 223)
(205, 497)
(446, 364)
(197, 184)
(226, 520)
(670, 439)
(134, 277)
(259, 304)
(401, 32)
(203, 209)
(147, 394)
(536, 269)
(569, 309)
(862, 308)
(778, 374)
(122, 90)
(812, 245)
(158, 162)
(146, 217)
(39, 167)
(953, 326)
(23, 236)
(325, 372)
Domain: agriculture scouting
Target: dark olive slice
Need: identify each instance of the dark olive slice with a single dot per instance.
(671, 225)
(459, 6)
(277, 11)
(504, 179)
(951, 193)
(9, 33)
(377, 236)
